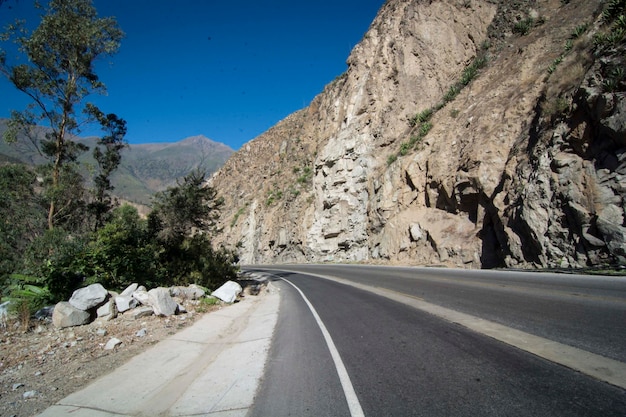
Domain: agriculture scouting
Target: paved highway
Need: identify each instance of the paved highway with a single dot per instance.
(335, 344)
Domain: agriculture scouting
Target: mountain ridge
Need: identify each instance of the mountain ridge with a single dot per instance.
(145, 168)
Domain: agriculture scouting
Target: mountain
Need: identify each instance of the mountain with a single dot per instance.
(468, 133)
(145, 168)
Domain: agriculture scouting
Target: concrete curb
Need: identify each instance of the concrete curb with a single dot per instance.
(212, 368)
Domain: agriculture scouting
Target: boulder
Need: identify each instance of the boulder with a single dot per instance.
(125, 303)
(88, 297)
(142, 296)
(66, 315)
(161, 301)
(228, 292)
(140, 312)
(130, 290)
(192, 292)
(107, 311)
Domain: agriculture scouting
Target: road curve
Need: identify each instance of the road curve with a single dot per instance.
(403, 361)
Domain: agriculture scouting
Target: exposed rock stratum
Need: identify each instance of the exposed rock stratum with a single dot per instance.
(521, 162)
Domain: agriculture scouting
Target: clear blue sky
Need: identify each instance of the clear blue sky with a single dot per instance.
(226, 69)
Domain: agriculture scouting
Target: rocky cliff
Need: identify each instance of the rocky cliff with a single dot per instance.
(472, 133)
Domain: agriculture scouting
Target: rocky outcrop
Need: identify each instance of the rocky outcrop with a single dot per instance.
(517, 164)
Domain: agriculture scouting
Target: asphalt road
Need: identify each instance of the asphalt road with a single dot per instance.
(404, 362)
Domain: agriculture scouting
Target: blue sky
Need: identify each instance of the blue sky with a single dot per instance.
(226, 69)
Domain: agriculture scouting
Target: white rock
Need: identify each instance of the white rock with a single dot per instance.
(161, 301)
(66, 315)
(29, 394)
(228, 292)
(89, 297)
(125, 303)
(140, 312)
(416, 232)
(142, 296)
(112, 343)
(192, 292)
(130, 290)
(141, 333)
(107, 311)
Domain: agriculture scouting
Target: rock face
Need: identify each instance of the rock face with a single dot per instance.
(523, 162)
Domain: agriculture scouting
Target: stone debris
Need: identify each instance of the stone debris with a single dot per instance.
(112, 343)
(142, 332)
(135, 302)
(228, 292)
(30, 394)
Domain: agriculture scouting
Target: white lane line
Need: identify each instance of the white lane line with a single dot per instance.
(353, 402)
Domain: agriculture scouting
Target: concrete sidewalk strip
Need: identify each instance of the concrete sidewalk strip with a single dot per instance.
(211, 368)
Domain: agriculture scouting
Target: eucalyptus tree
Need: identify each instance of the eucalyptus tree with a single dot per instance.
(58, 76)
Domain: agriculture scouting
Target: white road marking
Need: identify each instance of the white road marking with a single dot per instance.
(353, 402)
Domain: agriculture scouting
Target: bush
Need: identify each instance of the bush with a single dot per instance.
(56, 258)
(122, 251)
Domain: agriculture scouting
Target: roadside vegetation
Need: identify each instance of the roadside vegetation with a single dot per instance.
(60, 230)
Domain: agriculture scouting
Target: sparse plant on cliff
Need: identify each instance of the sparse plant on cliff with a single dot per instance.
(615, 78)
(614, 20)
(273, 195)
(579, 31)
(237, 215)
(306, 174)
(523, 27)
(452, 92)
(421, 117)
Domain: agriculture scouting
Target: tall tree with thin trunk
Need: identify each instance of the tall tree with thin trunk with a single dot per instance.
(58, 76)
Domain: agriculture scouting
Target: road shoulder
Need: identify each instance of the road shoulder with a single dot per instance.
(210, 368)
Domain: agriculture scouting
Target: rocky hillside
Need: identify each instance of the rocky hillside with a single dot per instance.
(471, 133)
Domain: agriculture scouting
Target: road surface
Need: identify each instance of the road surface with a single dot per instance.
(398, 358)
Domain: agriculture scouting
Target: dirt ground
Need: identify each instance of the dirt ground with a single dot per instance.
(40, 366)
